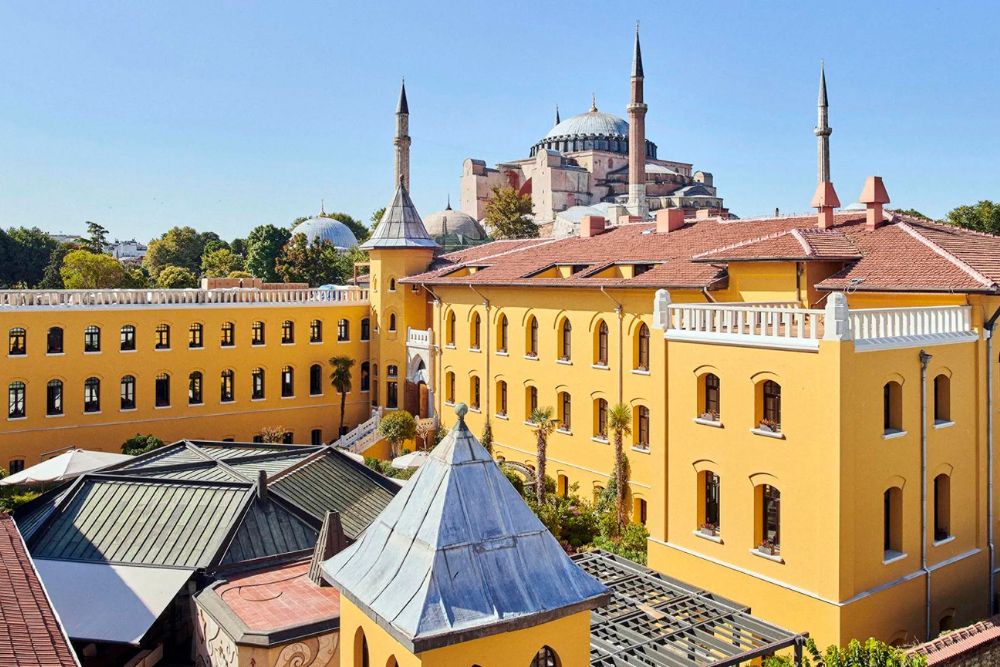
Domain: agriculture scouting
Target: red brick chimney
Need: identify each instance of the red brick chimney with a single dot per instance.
(669, 220)
(825, 200)
(874, 196)
(591, 225)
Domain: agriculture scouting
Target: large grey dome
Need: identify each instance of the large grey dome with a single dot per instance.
(591, 124)
(453, 223)
(332, 231)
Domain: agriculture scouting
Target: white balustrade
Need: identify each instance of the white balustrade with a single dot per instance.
(362, 436)
(182, 297)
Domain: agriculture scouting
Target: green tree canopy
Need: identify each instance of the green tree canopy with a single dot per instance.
(264, 244)
(176, 277)
(179, 246)
(508, 215)
(397, 427)
(376, 218)
(239, 247)
(340, 380)
(312, 263)
(220, 263)
(140, 444)
(984, 216)
(97, 238)
(52, 278)
(29, 251)
(912, 212)
(213, 245)
(83, 269)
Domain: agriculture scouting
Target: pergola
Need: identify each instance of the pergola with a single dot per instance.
(656, 621)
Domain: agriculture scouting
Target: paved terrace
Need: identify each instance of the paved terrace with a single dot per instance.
(132, 298)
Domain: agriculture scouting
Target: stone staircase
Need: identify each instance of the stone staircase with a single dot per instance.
(362, 436)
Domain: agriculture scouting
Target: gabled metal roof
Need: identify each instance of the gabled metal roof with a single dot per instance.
(269, 529)
(458, 554)
(400, 226)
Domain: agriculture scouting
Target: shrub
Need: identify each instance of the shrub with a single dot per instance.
(873, 653)
(140, 444)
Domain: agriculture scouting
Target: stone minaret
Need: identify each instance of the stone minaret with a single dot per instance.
(637, 138)
(823, 131)
(402, 140)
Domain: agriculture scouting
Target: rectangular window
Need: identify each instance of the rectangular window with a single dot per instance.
(162, 337)
(127, 338)
(315, 331)
(392, 394)
(287, 382)
(343, 330)
(226, 388)
(771, 516)
(54, 398)
(772, 405)
(287, 332)
(257, 333)
(18, 344)
(316, 437)
(194, 389)
(92, 395)
(16, 466)
(602, 418)
(54, 341)
(15, 405)
(92, 339)
(196, 336)
(257, 381)
(128, 393)
(162, 390)
(228, 334)
(712, 395)
(711, 501)
(365, 329)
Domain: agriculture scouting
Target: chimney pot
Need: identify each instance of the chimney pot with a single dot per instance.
(874, 196)
(262, 484)
(592, 225)
(825, 200)
(669, 220)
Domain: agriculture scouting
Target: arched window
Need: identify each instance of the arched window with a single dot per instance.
(942, 399)
(92, 339)
(195, 388)
(15, 400)
(601, 419)
(942, 507)
(257, 384)
(54, 341)
(709, 503)
(474, 391)
(361, 657)
(502, 334)
(196, 336)
(343, 330)
(316, 380)
(449, 387)
(162, 337)
(257, 333)
(375, 384)
(565, 340)
(769, 519)
(449, 331)
(392, 284)
(126, 393)
(54, 397)
(545, 657)
(530, 402)
(287, 382)
(642, 348)
(638, 510)
(601, 348)
(126, 340)
(391, 386)
(641, 429)
(474, 331)
(287, 332)
(892, 408)
(366, 329)
(769, 415)
(162, 390)
(17, 342)
(365, 376)
(709, 403)
(228, 334)
(531, 338)
(316, 331)
(501, 399)
(392, 321)
(892, 522)
(92, 394)
(565, 411)
(227, 380)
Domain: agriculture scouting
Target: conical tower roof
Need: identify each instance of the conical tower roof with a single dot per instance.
(457, 555)
(400, 226)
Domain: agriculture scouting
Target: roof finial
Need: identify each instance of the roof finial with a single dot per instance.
(448, 207)
(593, 102)
(321, 209)
(557, 115)
(461, 409)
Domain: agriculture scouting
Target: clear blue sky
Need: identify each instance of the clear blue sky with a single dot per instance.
(226, 115)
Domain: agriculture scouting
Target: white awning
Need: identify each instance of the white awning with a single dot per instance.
(109, 603)
(67, 465)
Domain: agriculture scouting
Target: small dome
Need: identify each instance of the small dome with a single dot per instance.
(592, 123)
(453, 223)
(332, 231)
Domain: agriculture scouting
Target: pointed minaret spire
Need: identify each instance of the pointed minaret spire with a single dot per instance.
(558, 120)
(823, 130)
(322, 211)
(637, 204)
(448, 207)
(402, 140)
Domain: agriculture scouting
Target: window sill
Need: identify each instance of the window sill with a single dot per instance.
(714, 423)
(161, 349)
(226, 401)
(768, 434)
(528, 422)
(708, 536)
(365, 340)
(531, 357)
(119, 410)
(257, 344)
(449, 346)
(196, 405)
(891, 556)
(946, 540)
(55, 416)
(91, 412)
(943, 423)
(641, 450)
(502, 416)
(55, 354)
(770, 557)
(319, 342)
(475, 409)
(92, 352)
(502, 353)
(475, 349)
(388, 409)
(638, 371)
(17, 419)
(889, 435)
(564, 362)
(564, 431)
(284, 344)
(129, 351)
(449, 403)
(256, 400)
(601, 440)
(161, 407)
(199, 347)
(226, 347)
(601, 367)
(314, 395)
(286, 397)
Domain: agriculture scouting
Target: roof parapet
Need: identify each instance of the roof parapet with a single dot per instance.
(874, 196)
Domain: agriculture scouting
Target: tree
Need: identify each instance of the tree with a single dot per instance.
(97, 238)
(51, 277)
(176, 277)
(136, 278)
(508, 215)
(376, 218)
(28, 254)
(317, 263)
(140, 444)
(544, 424)
(220, 263)
(487, 440)
(340, 380)
(239, 247)
(83, 269)
(912, 212)
(179, 246)
(271, 434)
(426, 430)
(212, 245)
(983, 216)
(397, 427)
(873, 653)
(264, 244)
(620, 423)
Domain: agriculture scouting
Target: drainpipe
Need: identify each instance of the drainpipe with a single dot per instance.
(620, 311)
(486, 351)
(708, 297)
(988, 332)
(924, 360)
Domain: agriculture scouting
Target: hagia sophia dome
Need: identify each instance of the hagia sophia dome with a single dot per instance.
(592, 130)
(322, 228)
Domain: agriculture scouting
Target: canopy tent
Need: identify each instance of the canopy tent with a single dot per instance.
(67, 465)
(411, 460)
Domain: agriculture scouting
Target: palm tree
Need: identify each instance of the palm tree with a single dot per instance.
(340, 379)
(544, 424)
(620, 423)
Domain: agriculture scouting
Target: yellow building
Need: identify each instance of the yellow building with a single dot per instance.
(92, 368)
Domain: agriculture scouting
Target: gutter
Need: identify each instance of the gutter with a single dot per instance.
(988, 333)
(486, 351)
(620, 311)
(924, 360)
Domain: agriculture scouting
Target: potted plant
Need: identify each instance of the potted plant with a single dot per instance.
(769, 548)
(769, 426)
(710, 416)
(709, 528)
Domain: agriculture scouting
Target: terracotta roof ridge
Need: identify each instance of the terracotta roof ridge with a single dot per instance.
(744, 243)
(806, 247)
(943, 225)
(524, 246)
(961, 264)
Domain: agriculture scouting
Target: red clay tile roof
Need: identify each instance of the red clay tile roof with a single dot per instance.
(904, 254)
(950, 646)
(279, 597)
(30, 632)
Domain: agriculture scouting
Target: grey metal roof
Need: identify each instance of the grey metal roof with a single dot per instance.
(269, 529)
(657, 621)
(321, 228)
(400, 226)
(458, 554)
(450, 222)
(590, 124)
